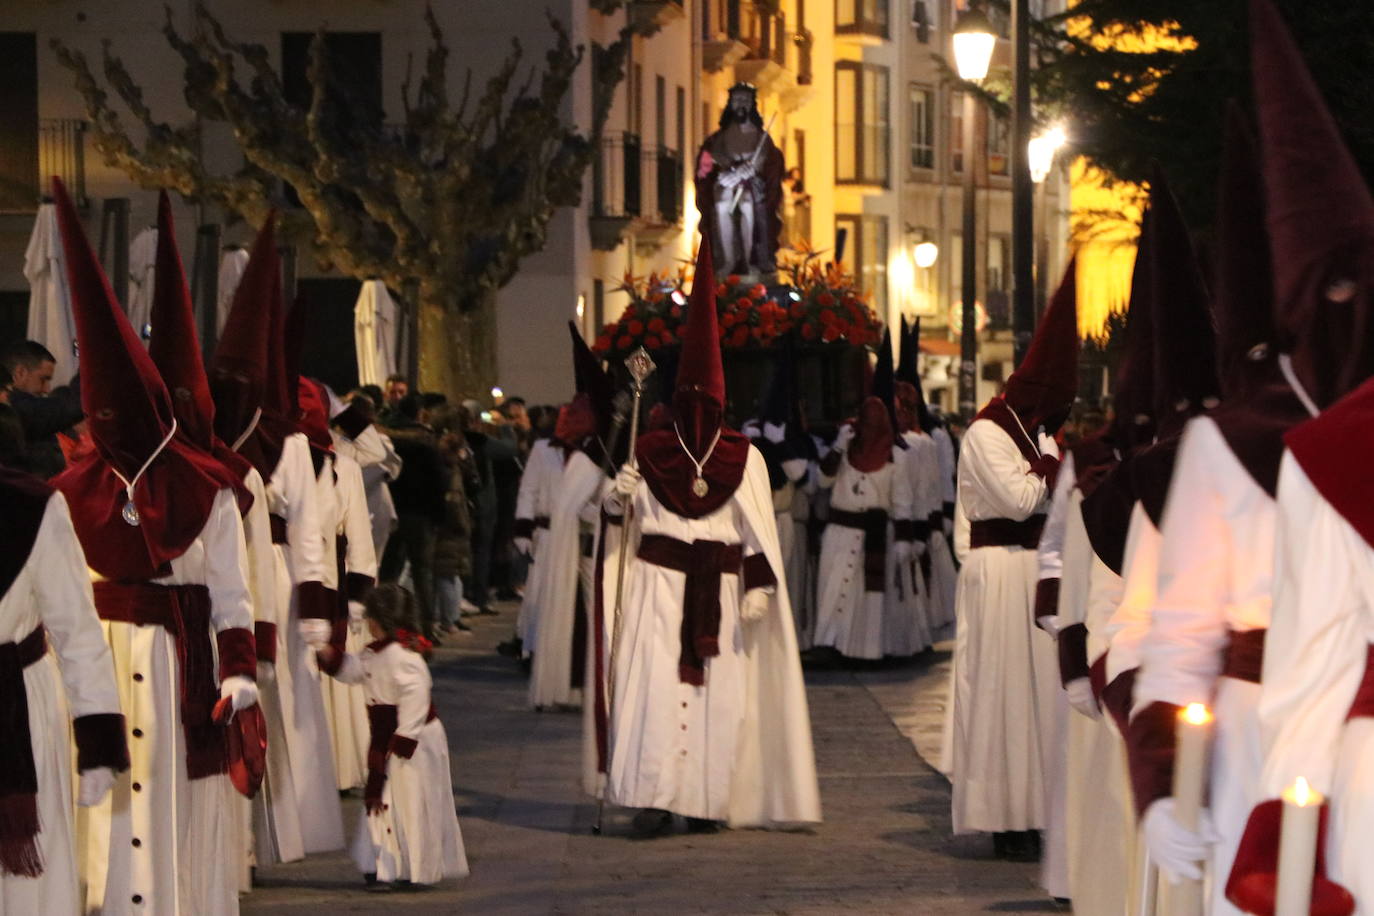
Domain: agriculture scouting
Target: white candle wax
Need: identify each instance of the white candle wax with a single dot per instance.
(1297, 849)
(1194, 738)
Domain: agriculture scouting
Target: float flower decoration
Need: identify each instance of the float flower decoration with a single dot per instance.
(830, 306)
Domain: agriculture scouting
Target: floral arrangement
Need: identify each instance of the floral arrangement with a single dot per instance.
(825, 305)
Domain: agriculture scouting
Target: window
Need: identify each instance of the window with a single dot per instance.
(19, 178)
(861, 124)
(681, 119)
(660, 112)
(865, 253)
(861, 17)
(956, 131)
(921, 20)
(637, 99)
(999, 281)
(921, 115)
(999, 145)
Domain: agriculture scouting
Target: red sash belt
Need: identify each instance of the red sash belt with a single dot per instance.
(1004, 532)
(873, 523)
(703, 563)
(184, 612)
(1244, 656)
(1363, 707)
(278, 528)
(382, 718)
(524, 527)
(18, 776)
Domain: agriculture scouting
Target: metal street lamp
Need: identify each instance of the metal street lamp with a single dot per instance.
(974, 40)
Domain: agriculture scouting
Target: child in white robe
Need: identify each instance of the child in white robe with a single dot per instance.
(409, 830)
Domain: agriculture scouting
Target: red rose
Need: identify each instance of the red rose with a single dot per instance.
(728, 320)
(667, 337)
(636, 328)
(656, 325)
(744, 302)
(826, 299)
(732, 280)
(651, 342)
(740, 337)
(830, 334)
(758, 333)
(610, 328)
(828, 317)
(625, 342)
(629, 311)
(808, 332)
(721, 291)
(797, 310)
(675, 311)
(603, 343)
(758, 291)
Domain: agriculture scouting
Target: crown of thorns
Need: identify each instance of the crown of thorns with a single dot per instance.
(745, 88)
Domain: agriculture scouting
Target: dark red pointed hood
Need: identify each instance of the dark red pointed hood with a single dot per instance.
(1042, 389)
(884, 386)
(1185, 376)
(1320, 219)
(698, 412)
(131, 424)
(175, 349)
(873, 437)
(592, 380)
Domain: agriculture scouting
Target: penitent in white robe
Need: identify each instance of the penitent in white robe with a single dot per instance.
(1006, 670)
(345, 706)
(1314, 662)
(376, 456)
(536, 498)
(184, 861)
(415, 837)
(76, 678)
(849, 618)
(738, 748)
(293, 494)
(1215, 576)
(560, 582)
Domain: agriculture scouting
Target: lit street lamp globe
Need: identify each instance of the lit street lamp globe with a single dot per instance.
(974, 40)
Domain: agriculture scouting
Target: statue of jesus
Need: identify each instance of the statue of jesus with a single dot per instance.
(739, 189)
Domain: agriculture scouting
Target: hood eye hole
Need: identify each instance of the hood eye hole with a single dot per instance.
(1258, 353)
(1342, 290)
(105, 413)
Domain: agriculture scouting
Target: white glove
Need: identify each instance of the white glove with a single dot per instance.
(627, 482)
(795, 469)
(94, 785)
(1047, 444)
(1050, 624)
(901, 551)
(356, 611)
(1080, 691)
(843, 438)
(751, 429)
(314, 631)
(1178, 851)
(774, 432)
(267, 672)
(755, 604)
(524, 546)
(241, 692)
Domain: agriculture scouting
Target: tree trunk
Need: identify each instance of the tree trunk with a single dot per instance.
(458, 349)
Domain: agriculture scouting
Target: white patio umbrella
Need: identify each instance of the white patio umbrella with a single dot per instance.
(50, 305)
(374, 333)
(142, 261)
(231, 267)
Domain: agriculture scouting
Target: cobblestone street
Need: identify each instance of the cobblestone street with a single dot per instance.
(884, 846)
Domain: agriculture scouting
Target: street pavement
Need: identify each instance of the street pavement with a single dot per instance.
(885, 845)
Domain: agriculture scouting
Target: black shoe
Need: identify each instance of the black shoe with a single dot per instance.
(507, 594)
(462, 627)
(702, 825)
(1023, 846)
(487, 611)
(999, 844)
(510, 648)
(652, 822)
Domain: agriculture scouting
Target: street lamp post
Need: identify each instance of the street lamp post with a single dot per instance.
(1040, 153)
(1022, 222)
(973, 40)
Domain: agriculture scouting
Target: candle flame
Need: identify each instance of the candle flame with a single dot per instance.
(1302, 793)
(1196, 714)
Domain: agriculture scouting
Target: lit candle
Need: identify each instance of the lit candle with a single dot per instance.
(1190, 784)
(1297, 849)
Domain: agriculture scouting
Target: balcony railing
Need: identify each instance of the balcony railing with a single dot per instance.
(667, 171)
(617, 176)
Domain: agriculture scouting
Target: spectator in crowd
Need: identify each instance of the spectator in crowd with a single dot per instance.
(43, 414)
(374, 394)
(482, 498)
(511, 432)
(418, 493)
(397, 388)
(453, 538)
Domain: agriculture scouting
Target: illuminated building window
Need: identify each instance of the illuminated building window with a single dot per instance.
(861, 124)
(921, 125)
(863, 17)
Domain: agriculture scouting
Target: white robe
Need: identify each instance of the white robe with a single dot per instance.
(231, 267)
(142, 278)
(294, 494)
(376, 456)
(50, 301)
(415, 837)
(184, 861)
(75, 678)
(560, 584)
(1314, 662)
(375, 333)
(538, 492)
(1215, 576)
(849, 618)
(345, 705)
(1006, 671)
(738, 748)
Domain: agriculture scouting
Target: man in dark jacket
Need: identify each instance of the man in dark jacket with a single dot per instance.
(42, 414)
(418, 494)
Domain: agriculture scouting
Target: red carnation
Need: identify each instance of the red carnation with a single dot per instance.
(828, 317)
(636, 328)
(732, 280)
(826, 299)
(758, 291)
(729, 320)
(652, 342)
(629, 311)
(721, 291)
(797, 310)
(625, 342)
(831, 333)
(667, 337)
(744, 302)
(740, 337)
(675, 311)
(758, 333)
(808, 331)
(603, 343)
(656, 325)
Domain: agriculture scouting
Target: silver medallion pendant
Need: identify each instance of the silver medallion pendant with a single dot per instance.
(130, 513)
(700, 488)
